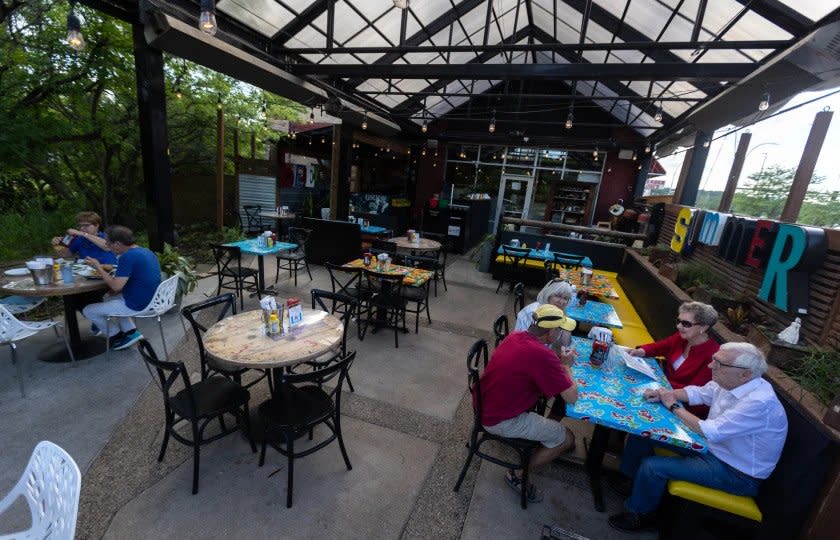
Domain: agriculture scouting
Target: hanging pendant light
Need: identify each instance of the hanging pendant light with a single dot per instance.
(423, 152)
(74, 31)
(207, 19)
(764, 104)
(425, 127)
(634, 155)
(402, 4)
(706, 143)
(364, 121)
(595, 153)
(492, 127)
(312, 116)
(570, 120)
(658, 115)
(647, 148)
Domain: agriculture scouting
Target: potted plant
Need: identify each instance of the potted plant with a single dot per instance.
(482, 253)
(737, 318)
(660, 253)
(698, 280)
(818, 371)
(173, 263)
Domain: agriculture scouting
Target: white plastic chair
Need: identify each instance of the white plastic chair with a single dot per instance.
(51, 484)
(13, 330)
(21, 304)
(162, 301)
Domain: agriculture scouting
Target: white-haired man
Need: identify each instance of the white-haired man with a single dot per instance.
(745, 431)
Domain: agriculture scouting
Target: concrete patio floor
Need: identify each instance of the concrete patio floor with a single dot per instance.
(406, 426)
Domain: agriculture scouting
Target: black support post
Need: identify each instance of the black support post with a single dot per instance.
(154, 141)
(691, 184)
(642, 176)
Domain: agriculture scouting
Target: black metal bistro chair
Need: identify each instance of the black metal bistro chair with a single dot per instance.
(253, 220)
(198, 404)
(512, 267)
(379, 245)
(476, 361)
(202, 314)
(501, 329)
(518, 299)
(346, 305)
(291, 260)
(231, 273)
(440, 255)
(351, 281)
(304, 403)
(387, 305)
(568, 261)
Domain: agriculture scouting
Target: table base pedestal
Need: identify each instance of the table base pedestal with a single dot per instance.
(87, 348)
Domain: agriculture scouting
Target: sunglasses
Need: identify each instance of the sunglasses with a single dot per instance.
(684, 323)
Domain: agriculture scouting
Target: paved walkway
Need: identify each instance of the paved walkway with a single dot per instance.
(405, 429)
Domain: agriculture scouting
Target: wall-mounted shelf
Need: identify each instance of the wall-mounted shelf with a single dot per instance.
(570, 203)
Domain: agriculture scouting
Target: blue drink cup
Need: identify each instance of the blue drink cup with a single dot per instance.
(67, 273)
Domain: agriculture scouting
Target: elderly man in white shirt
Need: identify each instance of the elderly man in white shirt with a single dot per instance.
(745, 432)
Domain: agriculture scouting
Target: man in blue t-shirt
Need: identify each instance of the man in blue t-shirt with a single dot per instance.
(87, 240)
(132, 288)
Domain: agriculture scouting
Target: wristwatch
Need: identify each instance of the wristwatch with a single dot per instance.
(674, 406)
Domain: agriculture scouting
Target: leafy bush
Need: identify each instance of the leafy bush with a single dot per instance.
(819, 373)
(29, 230)
(696, 274)
(173, 263)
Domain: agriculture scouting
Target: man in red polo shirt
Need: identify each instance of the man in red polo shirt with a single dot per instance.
(522, 369)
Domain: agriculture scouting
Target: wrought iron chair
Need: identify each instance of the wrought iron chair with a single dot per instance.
(351, 282)
(50, 484)
(513, 265)
(518, 298)
(214, 310)
(476, 361)
(230, 271)
(346, 305)
(291, 260)
(387, 304)
(198, 404)
(501, 329)
(298, 409)
(253, 221)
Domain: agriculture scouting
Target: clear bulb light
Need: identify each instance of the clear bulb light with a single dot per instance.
(764, 104)
(364, 124)
(178, 93)
(75, 39)
(706, 143)
(658, 115)
(647, 148)
(311, 117)
(424, 128)
(207, 19)
(569, 121)
(492, 127)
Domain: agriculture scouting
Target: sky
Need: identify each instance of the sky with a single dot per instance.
(775, 141)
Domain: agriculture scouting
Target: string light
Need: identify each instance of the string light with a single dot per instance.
(570, 120)
(219, 102)
(706, 143)
(207, 19)
(364, 121)
(764, 104)
(492, 127)
(312, 116)
(639, 167)
(178, 93)
(423, 152)
(634, 155)
(647, 147)
(292, 134)
(424, 128)
(322, 139)
(595, 153)
(658, 115)
(74, 30)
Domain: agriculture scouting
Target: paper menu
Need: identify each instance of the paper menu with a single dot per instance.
(295, 315)
(636, 363)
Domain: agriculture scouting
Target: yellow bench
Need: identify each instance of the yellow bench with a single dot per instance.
(738, 505)
(634, 331)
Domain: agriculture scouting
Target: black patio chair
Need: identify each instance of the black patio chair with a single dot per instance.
(440, 255)
(501, 329)
(419, 296)
(291, 260)
(518, 299)
(198, 404)
(231, 273)
(253, 220)
(512, 266)
(550, 271)
(346, 305)
(351, 281)
(379, 245)
(296, 410)
(568, 261)
(476, 361)
(202, 314)
(387, 304)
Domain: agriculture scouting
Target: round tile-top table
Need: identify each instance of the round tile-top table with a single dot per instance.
(82, 348)
(239, 341)
(424, 244)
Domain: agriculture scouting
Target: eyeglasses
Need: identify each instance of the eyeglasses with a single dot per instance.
(718, 363)
(684, 323)
(80, 225)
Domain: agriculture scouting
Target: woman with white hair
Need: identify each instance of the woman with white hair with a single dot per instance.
(556, 292)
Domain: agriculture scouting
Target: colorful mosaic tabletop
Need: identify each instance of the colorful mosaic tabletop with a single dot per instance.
(414, 277)
(543, 255)
(611, 396)
(252, 246)
(594, 313)
(599, 284)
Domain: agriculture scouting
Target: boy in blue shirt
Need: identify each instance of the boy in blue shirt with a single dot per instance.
(132, 288)
(88, 240)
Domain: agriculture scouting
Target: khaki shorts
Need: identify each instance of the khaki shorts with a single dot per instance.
(533, 427)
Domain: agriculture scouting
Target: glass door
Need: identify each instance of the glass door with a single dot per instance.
(514, 200)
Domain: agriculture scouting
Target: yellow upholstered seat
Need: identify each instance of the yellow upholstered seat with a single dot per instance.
(714, 498)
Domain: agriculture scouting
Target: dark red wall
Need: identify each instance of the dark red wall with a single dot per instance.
(616, 183)
(429, 178)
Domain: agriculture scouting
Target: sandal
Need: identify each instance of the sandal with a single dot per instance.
(533, 494)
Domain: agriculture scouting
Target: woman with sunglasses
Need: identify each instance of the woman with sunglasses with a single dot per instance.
(689, 351)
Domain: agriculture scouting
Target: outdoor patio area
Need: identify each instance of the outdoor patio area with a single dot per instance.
(405, 430)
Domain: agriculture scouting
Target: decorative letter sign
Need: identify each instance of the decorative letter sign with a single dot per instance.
(762, 240)
(681, 229)
(796, 252)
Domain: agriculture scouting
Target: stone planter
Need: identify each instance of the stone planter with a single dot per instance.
(660, 257)
(780, 354)
(669, 271)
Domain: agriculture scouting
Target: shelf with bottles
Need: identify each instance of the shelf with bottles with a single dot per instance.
(569, 203)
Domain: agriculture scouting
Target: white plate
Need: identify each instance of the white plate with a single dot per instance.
(17, 272)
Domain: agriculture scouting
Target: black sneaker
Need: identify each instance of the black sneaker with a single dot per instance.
(533, 494)
(128, 340)
(116, 338)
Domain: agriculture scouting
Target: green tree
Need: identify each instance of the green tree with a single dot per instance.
(766, 193)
